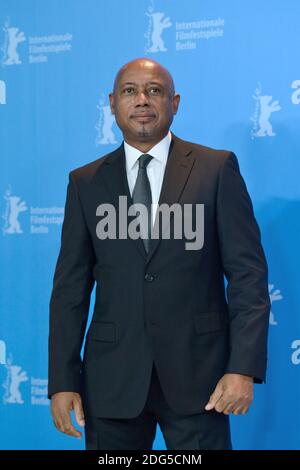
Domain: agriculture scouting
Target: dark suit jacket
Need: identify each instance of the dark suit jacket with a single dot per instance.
(168, 306)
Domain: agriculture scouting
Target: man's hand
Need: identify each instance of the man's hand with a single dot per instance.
(233, 394)
(61, 405)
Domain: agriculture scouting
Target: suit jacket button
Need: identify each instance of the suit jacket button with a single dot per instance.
(149, 277)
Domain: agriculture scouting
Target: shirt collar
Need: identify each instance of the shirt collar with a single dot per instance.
(160, 151)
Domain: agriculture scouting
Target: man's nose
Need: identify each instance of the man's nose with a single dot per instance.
(142, 99)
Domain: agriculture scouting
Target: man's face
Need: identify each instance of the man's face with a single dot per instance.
(144, 102)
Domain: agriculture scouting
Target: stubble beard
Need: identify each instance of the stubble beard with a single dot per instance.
(143, 132)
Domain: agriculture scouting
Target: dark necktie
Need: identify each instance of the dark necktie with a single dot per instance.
(142, 195)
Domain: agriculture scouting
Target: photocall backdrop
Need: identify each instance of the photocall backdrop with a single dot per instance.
(236, 65)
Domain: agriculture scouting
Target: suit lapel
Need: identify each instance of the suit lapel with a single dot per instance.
(178, 169)
(113, 174)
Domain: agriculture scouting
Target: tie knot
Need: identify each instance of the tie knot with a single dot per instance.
(144, 160)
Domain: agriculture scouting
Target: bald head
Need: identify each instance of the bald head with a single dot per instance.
(144, 102)
(146, 65)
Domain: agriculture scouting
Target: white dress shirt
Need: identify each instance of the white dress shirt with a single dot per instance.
(155, 168)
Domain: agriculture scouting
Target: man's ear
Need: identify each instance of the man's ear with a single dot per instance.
(176, 100)
(112, 103)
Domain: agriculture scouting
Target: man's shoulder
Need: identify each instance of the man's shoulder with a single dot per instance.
(87, 172)
(202, 151)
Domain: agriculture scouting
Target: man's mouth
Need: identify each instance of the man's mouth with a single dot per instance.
(143, 117)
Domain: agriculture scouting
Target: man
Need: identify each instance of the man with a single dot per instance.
(165, 345)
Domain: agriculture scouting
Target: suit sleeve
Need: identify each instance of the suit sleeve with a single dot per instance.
(70, 299)
(246, 271)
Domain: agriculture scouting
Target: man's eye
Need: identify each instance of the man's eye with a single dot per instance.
(154, 91)
(128, 91)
